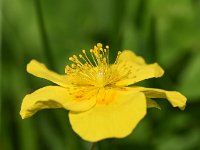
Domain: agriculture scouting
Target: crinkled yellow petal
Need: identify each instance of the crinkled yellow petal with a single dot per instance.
(152, 104)
(53, 97)
(174, 97)
(40, 70)
(115, 119)
(134, 69)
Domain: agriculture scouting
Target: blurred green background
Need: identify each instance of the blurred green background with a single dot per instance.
(167, 32)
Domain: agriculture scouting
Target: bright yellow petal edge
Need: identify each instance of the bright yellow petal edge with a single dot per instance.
(95, 93)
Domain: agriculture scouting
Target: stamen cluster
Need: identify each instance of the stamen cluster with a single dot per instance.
(93, 69)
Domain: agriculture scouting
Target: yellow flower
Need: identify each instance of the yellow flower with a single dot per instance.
(96, 94)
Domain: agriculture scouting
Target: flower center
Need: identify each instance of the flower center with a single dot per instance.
(93, 69)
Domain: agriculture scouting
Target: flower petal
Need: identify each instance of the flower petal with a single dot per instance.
(114, 119)
(40, 70)
(141, 73)
(130, 56)
(152, 104)
(174, 97)
(53, 97)
(134, 69)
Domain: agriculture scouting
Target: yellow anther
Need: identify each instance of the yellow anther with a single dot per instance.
(95, 48)
(81, 56)
(95, 51)
(68, 70)
(71, 58)
(75, 56)
(83, 51)
(73, 65)
(99, 45)
(107, 47)
(78, 65)
(91, 50)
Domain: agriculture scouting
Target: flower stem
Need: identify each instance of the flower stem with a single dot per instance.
(93, 147)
